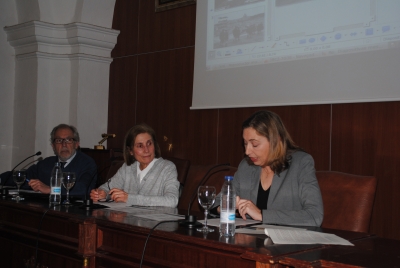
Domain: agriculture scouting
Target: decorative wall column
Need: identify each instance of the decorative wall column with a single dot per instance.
(62, 51)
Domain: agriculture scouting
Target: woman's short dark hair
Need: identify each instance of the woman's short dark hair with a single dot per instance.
(270, 125)
(130, 138)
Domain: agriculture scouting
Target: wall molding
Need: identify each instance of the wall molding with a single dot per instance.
(73, 38)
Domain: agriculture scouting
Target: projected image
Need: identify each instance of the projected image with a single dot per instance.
(289, 2)
(260, 32)
(239, 28)
(295, 52)
(225, 4)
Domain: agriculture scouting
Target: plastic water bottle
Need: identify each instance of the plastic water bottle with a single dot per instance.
(55, 185)
(227, 208)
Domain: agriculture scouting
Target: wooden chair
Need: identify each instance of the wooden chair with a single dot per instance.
(348, 200)
(182, 167)
(116, 154)
(110, 167)
(114, 166)
(198, 176)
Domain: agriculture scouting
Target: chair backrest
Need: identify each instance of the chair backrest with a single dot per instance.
(212, 175)
(348, 200)
(182, 167)
(114, 166)
(116, 154)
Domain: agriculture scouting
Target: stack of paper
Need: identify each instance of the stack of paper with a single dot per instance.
(291, 235)
(299, 236)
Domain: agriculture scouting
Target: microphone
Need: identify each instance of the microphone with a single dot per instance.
(88, 203)
(4, 192)
(190, 220)
(104, 136)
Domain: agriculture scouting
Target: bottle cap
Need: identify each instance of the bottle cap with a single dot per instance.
(228, 178)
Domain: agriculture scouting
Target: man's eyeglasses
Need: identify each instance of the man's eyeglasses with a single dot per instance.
(66, 140)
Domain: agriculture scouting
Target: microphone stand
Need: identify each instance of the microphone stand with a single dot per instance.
(4, 192)
(88, 203)
(190, 221)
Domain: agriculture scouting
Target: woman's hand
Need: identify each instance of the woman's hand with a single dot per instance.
(118, 195)
(39, 186)
(97, 194)
(245, 206)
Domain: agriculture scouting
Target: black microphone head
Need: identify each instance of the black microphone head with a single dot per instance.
(38, 153)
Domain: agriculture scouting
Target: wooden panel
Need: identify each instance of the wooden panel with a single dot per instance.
(364, 138)
(57, 242)
(164, 249)
(68, 239)
(169, 29)
(372, 252)
(122, 99)
(365, 141)
(126, 21)
(164, 98)
(308, 125)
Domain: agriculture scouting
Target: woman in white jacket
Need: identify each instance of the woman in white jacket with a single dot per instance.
(145, 179)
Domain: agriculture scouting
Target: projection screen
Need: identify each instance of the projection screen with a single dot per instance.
(252, 53)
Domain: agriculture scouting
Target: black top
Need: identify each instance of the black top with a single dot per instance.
(262, 197)
(262, 200)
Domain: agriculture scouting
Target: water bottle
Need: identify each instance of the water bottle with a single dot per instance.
(227, 208)
(55, 185)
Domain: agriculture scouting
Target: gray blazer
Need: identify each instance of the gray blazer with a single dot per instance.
(160, 186)
(294, 198)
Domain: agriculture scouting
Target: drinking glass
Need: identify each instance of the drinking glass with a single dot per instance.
(206, 196)
(68, 181)
(19, 177)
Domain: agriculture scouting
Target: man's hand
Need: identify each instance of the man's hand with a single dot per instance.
(39, 186)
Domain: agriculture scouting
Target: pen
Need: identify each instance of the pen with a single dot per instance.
(27, 180)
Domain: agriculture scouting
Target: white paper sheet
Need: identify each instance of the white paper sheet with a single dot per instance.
(239, 222)
(260, 229)
(297, 236)
(161, 217)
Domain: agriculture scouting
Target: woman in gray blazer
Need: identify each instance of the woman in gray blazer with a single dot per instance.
(145, 179)
(276, 181)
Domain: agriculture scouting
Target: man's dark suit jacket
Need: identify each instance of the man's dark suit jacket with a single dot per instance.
(83, 165)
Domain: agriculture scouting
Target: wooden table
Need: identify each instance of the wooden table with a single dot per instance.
(368, 252)
(76, 237)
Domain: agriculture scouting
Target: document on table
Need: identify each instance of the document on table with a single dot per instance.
(150, 213)
(121, 206)
(22, 191)
(260, 229)
(162, 217)
(239, 222)
(299, 236)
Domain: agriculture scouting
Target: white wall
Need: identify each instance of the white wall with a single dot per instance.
(8, 16)
(59, 53)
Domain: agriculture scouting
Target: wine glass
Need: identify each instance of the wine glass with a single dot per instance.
(68, 182)
(19, 177)
(206, 197)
